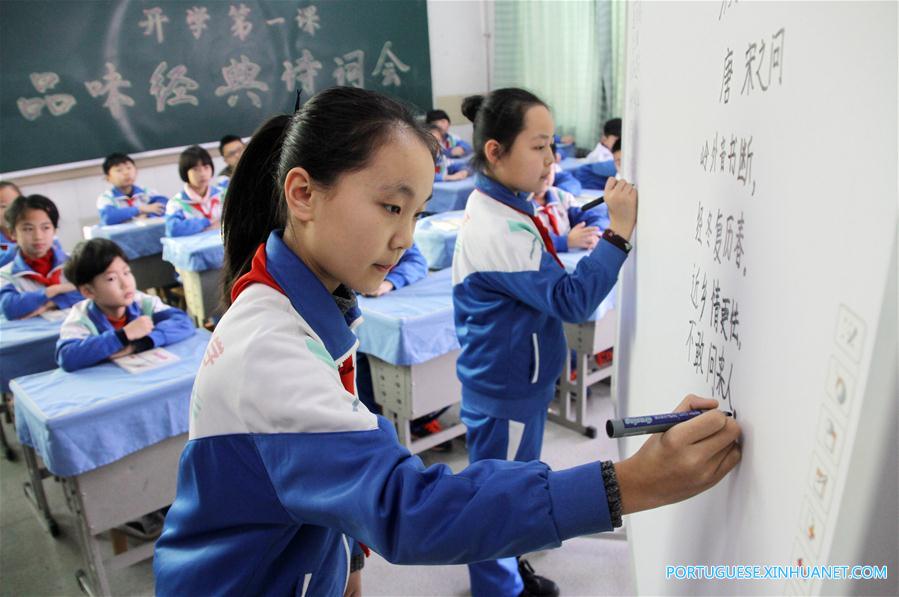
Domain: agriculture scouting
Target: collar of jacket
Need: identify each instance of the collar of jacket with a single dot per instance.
(135, 191)
(98, 317)
(19, 267)
(311, 299)
(501, 193)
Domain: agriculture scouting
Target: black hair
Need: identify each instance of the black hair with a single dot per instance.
(433, 127)
(190, 157)
(113, 160)
(435, 115)
(617, 145)
(337, 131)
(498, 116)
(225, 140)
(21, 204)
(612, 127)
(90, 258)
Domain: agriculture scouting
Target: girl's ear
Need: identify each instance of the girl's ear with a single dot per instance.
(298, 194)
(493, 151)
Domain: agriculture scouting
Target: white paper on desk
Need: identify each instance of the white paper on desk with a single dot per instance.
(448, 225)
(146, 361)
(55, 314)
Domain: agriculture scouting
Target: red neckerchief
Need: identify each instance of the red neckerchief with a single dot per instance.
(553, 222)
(41, 267)
(118, 324)
(207, 214)
(258, 274)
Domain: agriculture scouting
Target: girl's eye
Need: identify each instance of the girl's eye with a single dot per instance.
(394, 209)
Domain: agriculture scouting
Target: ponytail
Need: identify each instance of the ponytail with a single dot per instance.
(253, 204)
(499, 116)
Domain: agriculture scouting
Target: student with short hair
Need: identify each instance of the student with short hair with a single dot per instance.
(611, 132)
(198, 206)
(451, 145)
(8, 193)
(33, 282)
(115, 319)
(124, 200)
(230, 147)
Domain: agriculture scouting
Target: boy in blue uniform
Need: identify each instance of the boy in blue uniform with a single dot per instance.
(611, 132)
(8, 193)
(450, 145)
(594, 175)
(567, 225)
(33, 282)
(125, 201)
(115, 319)
(444, 169)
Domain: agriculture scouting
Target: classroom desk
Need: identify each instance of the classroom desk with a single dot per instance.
(114, 439)
(198, 259)
(461, 162)
(449, 196)
(26, 346)
(436, 235)
(140, 241)
(586, 340)
(410, 339)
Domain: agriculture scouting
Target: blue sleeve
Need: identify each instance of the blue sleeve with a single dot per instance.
(177, 225)
(570, 297)
(606, 168)
(110, 214)
(73, 354)
(411, 268)
(452, 167)
(597, 216)
(67, 299)
(159, 199)
(7, 254)
(17, 305)
(170, 326)
(567, 182)
(464, 145)
(438, 177)
(560, 241)
(369, 487)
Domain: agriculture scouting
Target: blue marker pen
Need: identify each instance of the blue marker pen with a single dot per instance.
(650, 423)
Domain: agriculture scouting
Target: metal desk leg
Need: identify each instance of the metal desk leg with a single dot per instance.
(6, 410)
(34, 491)
(202, 293)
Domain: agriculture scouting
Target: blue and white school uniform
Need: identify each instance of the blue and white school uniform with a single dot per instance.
(116, 207)
(594, 175)
(87, 337)
(566, 181)
(8, 249)
(445, 166)
(21, 292)
(560, 215)
(510, 297)
(600, 153)
(285, 469)
(187, 213)
(451, 141)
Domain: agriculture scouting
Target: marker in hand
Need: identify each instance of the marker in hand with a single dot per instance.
(650, 423)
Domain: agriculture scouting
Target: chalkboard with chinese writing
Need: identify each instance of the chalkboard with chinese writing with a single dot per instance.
(82, 79)
(764, 275)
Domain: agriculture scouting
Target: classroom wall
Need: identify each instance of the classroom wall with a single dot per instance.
(459, 67)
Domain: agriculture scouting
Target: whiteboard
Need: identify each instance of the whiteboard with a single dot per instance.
(765, 247)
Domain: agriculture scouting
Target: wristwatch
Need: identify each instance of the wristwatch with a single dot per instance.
(619, 241)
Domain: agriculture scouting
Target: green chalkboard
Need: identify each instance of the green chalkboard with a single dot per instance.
(81, 79)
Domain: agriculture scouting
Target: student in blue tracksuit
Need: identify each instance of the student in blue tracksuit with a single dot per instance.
(511, 295)
(446, 170)
(125, 201)
(594, 175)
(564, 179)
(285, 475)
(450, 145)
(33, 282)
(8, 193)
(115, 319)
(198, 206)
(568, 226)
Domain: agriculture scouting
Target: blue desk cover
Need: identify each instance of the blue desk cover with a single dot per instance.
(449, 196)
(195, 253)
(436, 236)
(84, 420)
(26, 346)
(137, 239)
(411, 325)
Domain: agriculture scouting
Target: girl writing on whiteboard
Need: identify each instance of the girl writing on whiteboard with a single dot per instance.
(286, 474)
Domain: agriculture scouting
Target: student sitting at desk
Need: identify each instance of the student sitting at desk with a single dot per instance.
(115, 319)
(611, 132)
(567, 225)
(198, 206)
(451, 145)
(8, 193)
(33, 281)
(565, 180)
(231, 147)
(125, 200)
(594, 175)
(444, 169)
